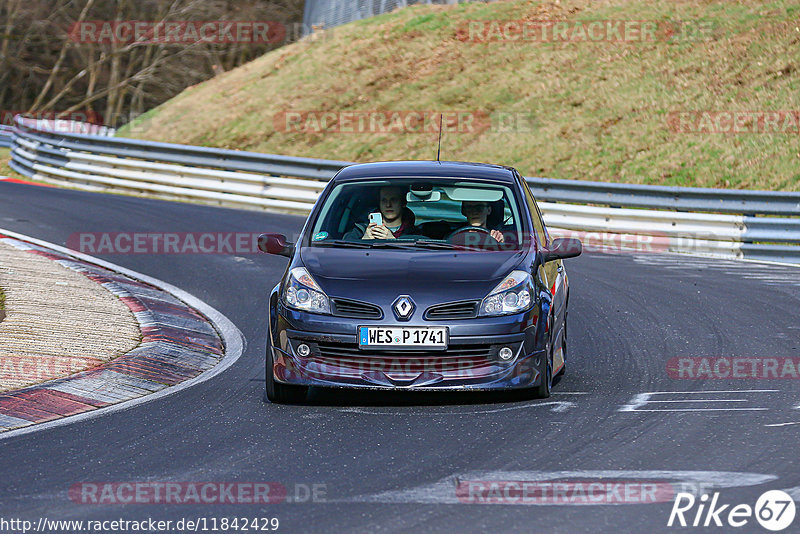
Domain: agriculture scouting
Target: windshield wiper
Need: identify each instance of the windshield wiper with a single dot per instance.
(393, 244)
(444, 245)
(366, 244)
(399, 244)
(438, 245)
(345, 243)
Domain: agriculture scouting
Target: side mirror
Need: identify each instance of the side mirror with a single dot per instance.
(275, 244)
(564, 247)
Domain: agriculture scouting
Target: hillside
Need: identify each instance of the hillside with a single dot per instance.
(562, 106)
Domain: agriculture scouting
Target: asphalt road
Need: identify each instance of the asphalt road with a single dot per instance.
(392, 463)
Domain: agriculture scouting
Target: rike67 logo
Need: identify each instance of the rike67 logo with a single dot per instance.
(774, 510)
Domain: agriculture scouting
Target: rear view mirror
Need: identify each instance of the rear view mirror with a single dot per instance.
(275, 244)
(473, 194)
(564, 247)
(430, 196)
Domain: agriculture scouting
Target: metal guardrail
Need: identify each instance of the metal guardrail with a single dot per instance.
(759, 225)
(6, 134)
(665, 197)
(330, 13)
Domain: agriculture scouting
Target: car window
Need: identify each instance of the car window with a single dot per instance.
(536, 215)
(420, 209)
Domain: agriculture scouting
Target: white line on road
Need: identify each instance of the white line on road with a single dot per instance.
(794, 492)
(716, 391)
(557, 406)
(697, 410)
(641, 399)
(699, 400)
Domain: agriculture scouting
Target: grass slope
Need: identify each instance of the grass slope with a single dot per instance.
(5, 156)
(600, 109)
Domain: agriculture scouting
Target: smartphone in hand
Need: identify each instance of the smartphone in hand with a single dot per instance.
(376, 218)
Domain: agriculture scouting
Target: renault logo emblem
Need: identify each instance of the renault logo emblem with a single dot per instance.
(403, 307)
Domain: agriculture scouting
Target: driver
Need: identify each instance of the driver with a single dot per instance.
(476, 214)
(397, 218)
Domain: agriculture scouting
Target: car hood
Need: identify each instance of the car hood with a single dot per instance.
(447, 275)
(374, 265)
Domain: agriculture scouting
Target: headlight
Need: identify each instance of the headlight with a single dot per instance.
(513, 295)
(303, 293)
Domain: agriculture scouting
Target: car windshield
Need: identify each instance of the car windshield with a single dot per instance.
(420, 213)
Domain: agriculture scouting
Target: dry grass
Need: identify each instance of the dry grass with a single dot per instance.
(5, 155)
(6, 170)
(600, 109)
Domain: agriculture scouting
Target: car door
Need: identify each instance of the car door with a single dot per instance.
(554, 275)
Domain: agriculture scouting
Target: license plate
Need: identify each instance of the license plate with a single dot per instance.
(430, 337)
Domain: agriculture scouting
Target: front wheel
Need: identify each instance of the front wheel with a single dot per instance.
(563, 347)
(281, 393)
(542, 391)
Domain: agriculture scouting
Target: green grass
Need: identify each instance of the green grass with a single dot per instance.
(5, 155)
(599, 110)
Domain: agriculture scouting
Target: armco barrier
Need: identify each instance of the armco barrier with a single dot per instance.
(6, 133)
(760, 225)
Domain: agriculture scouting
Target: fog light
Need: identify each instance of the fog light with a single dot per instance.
(303, 350)
(506, 353)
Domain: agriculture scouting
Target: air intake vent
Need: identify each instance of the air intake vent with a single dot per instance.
(356, 309)
(465, 309)
(350, 352)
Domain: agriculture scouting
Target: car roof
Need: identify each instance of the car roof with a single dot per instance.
(444, 169)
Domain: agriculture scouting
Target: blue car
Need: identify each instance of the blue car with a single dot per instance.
(419, 275)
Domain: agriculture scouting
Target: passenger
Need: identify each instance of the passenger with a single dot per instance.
(476, 214)
(398, 220)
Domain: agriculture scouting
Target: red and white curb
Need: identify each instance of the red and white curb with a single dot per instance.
(11, 180)
(184, 342)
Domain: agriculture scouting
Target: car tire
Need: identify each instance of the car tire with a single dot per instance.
(281, 393)
(542, 391)
(563, 348)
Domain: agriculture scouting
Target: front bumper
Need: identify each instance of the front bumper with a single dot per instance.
(471, 361)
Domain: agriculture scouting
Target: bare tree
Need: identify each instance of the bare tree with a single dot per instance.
(45, 68)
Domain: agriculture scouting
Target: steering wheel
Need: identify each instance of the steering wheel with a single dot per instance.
(467, 229)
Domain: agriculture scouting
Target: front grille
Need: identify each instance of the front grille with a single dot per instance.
(454, 351)
(465, 309)
(457, 357)
(355, 309)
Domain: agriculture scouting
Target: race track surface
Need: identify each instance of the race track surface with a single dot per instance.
(393, 462)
